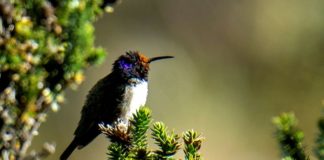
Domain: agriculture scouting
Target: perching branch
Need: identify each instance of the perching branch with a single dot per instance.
(136, 148)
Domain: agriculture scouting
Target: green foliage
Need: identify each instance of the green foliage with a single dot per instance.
(130, 143)
(319, 151)
(139, 125)
(290, 137)
(168, 143)
(287, 158)
(192, 143)
(117, 151)
(129, 140)
(45, 47)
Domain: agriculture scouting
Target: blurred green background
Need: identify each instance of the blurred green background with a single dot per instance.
(238, 63)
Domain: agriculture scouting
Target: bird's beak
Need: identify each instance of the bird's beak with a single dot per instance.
(159, 58)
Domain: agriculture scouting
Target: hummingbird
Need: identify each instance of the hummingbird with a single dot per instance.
(116, 97)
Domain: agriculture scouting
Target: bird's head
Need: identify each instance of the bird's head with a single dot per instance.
(134, 65)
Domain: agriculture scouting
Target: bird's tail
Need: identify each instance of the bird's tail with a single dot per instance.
(68, 151)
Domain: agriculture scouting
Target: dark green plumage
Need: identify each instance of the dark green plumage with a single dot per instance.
(100, 106)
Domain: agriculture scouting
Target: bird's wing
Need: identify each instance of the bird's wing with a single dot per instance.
(101, 104)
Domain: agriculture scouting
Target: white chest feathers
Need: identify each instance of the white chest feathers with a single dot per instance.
(135, 96)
